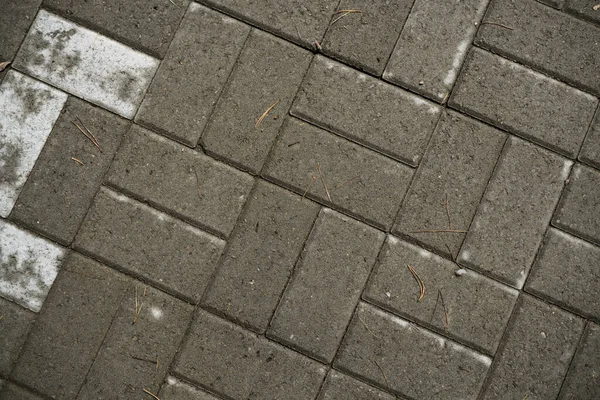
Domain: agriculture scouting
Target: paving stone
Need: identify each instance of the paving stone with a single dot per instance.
(261, 256)
(524, 102)
(515, 210)
(366, 110)
(366, 39)
(302, 22)
(29, 109)
(361, 182)
(86, 64)
(28, 266)
(184, 182)
(16, 322)
(458, 164)
(577, 211)
(540, 341)
(433, 45)
(14, 392)
(317, 304)
(583, 9)
(85, 296)
(548, 40)
(192, 74)
(553, 3)
(16, 17)
(238, 364)
(59, 191)
(590, 151)
(469, 299)
(147, 243)
(576, 290)
(156, 334)
(377, 341)
(269, 70)
(174, 389)
(339, 386)
(148, 25)
(582, 379)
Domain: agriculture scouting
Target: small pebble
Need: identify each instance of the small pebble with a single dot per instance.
(388, 294)
(421, 82)
(460, 272)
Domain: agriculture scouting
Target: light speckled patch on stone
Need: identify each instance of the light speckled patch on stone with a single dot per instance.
(28, 110)
(87, 64)
(28, 266)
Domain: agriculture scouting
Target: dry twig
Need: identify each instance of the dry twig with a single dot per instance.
(197, 183)
(348, 181)
(312, 179)
(365, 324)
(260, 119)
(318, 45)
(382, 373)
(419, 282)
(3, 65)
(151, 394)
(440, 231)
(444, 307)
(77, 160)
(448, 213)
(323, 180)
(497, 24)
(87, 134)
(138, 310)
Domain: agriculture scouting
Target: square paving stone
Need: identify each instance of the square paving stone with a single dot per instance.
(59, 191)
(15, 19)
(590, 151)
(339, 386)
(14, 392)
(379, 344)
(366, 110)
(86, 64)
(515, 211)
(566, 272)
(84, 297)
(465, 300)
(579, 209)
(365, 39)
(147, 25)
(261, 256)
(524, 102)
(455, 168)
(150, 244)
(127, 360)
(539, 345)
(174, 389)
(583, 9)
(583, 379)
(317, 304)
(433, 46)
(192, 74)
(238, 364)
(359, 181)
(268, 72)
(15, 325)
(181, 181)
(547, 39)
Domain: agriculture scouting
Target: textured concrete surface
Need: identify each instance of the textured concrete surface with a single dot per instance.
(306, 200)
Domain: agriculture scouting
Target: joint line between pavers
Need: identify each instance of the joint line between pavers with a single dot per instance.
(398, 39)
(578, 349)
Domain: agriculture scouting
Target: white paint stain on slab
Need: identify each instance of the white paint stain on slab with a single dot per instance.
(29, 109)
(28, 266)
(82, 62)
(457, 60)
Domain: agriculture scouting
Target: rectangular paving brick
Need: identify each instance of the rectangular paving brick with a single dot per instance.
(578, 211)
(515, 210)
(549, 40)
(366, 39)
(174, 389)
(457, 164)
(416, 363)
(149, 244)
(468, 298)
(361, 182)
(583, 9)
(261, 256)
(590, 151)
(268, 71)
(29, 109)
(181, 181)
(576, 289)
(86, 64)
(339, 386)
(16, 323)
(59, 191)
(582, 380)
(14, 392)
(540, 341)
(192, 74)
(524, 102)
(85, 298)
(117, 371)
(366, 110)
(238, 364)
(148, 25)
(433, 46)
(15, 19)
(317, 304)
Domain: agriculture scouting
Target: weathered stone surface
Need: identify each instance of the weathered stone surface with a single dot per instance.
(582, 380)
(590, 151)
(174, 389)
(15, 19)
(16, 323)
(339, 386)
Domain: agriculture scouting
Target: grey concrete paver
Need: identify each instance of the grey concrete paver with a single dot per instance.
(339, 386)
(14, 392)
(540, 340)
(317, 304)
(583, 377)
(261, 256)
(583, 9)
(590, 151)
(174, 389)
(16, 18)
(553, 3)
(238, 364)
(16, 323)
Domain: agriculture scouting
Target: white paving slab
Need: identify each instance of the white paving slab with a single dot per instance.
(86, 64)
(28, 266)
(28, 110)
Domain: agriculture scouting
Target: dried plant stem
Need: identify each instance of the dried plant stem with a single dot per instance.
(419, 282)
